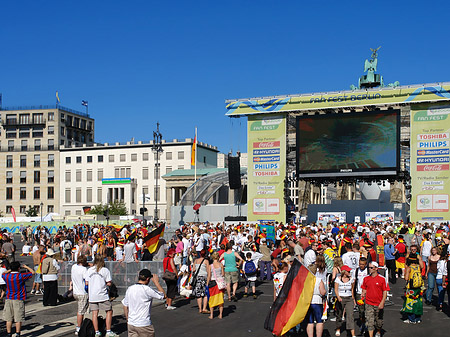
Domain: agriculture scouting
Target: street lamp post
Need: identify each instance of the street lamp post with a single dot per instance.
(42, 205)
(157, 149)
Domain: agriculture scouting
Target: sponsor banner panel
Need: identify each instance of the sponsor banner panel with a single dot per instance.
(430, 161)
(266, 174)
(332, 216)
(379, 216)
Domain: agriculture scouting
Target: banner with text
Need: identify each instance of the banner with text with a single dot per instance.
(266, 168)
(430, 148)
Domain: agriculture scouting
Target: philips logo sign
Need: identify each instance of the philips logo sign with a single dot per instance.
(272, 166)
(426, 145)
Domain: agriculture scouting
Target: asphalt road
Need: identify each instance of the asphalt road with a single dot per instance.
(243, 318)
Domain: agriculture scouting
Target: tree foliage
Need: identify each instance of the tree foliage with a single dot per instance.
(114, 208)
(31, 211)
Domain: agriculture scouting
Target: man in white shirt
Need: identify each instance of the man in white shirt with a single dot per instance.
(351, 257)
(186, 248)
(137, 304)
(310, 255)
(129, 252)
(79, 292)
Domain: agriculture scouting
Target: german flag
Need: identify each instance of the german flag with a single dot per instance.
(292, 303)
(152, 238)
(215, 296)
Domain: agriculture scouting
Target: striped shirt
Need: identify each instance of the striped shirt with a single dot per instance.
(15, 285)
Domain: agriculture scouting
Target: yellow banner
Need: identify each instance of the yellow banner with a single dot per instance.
(403, 94)
(430, 160)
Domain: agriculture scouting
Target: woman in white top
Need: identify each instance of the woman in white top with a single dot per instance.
(440, 278)
(315, 311)
(345, 300)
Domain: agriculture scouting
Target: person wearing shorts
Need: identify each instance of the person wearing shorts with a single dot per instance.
(315, 311)
(16, 294)
(231, 271)
(79, 290)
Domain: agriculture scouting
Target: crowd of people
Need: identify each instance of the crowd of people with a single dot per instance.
(354, 265)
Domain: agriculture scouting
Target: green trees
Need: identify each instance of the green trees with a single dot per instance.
(114, 208)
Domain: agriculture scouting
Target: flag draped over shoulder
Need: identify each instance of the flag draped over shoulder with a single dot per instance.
(215, 296)
(152, 238)
(292, 303)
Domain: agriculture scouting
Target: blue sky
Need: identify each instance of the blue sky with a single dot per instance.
(139, 62)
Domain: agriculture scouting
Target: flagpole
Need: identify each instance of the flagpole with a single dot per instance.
(195, 156)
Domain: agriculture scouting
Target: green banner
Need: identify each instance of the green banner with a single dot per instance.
(266, 168)
(341, 99)
(430, 153)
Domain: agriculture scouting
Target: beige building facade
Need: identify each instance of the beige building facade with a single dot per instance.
(30, 138)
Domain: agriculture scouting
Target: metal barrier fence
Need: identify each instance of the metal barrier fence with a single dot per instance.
(123, 274)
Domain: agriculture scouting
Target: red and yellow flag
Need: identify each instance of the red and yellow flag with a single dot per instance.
(292, 303)
(152, 238)
(194, 150)
(215, 296)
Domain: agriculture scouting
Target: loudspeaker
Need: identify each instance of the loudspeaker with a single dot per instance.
(234, 172)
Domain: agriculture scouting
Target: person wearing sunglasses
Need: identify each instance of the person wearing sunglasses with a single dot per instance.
(374, 293)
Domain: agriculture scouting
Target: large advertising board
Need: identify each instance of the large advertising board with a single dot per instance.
(266, 168)
(332, 216)
(379, 216)
(350, 144)
(375, 96)
(430, 149)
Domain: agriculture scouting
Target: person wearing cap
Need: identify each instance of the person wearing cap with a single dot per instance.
(137, 304)
(374, 293)
(50, 268)
(345, 300)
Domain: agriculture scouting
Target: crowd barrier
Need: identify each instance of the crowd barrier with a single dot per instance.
(123, 274)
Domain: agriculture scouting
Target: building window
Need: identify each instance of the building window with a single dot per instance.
(134, 157)
(78, 195)
(145, 173)
(38, 132)
(9, 193)
(37, 177)
(51, 130)
(128, 172)
(9, 161)
(37, 193)
(9, 177)
(89, 195)
(62, 130)
(24, 119)
(68, 160)
(11, 133)
(24, 133)
(78, 176)
(23, 161)
(89, 159)
(168, 155)
(50, 192)
(37, 160)
(99, 174)
(10, 145)
(168, 169)
(145, 156)
(78, 159)
(111, 158)
(23, 193)
(23, 177)
(8, 209)
(51, 144)
(68, 177)
(51, 160)
(99, 195)
(24, 145)
(50, 208)
(51, 176)
(89, 175)
(51, 116)
(117, 172)
(37, 145)
(67, 195)
(23, 209)
(38, 118)
(181, 155)
(122, 157)
(100, 159)
(157, 196)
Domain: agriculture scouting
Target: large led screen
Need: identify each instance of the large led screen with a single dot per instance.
(348, 144)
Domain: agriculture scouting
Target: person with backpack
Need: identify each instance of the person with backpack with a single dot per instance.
(413, 303)
(97, 279)
(250, 273)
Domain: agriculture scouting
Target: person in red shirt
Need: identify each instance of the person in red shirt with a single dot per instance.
(400, 259)
(374, 293)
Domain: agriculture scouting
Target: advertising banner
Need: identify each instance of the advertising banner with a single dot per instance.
(404, 94)
(379, 216)
(430, 148)
(331, 216)
(266, 168)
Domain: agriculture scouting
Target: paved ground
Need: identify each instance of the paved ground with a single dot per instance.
(243, 318)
